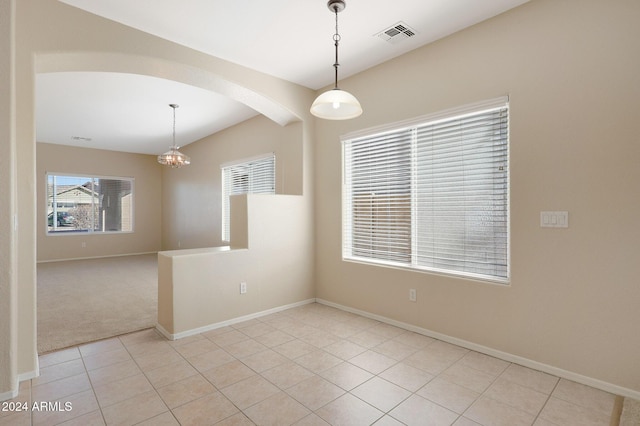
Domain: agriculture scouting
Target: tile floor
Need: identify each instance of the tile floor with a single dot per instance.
(310, 365)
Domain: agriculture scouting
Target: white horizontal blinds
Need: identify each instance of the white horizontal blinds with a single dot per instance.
(251, 177)
(461, 194)
(431, 195)
(378, 190)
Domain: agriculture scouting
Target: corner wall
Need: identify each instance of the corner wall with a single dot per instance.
(570, 69)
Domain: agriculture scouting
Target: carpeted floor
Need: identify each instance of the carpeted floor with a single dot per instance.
(82, 301)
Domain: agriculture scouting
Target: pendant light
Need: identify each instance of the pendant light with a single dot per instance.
(336, 104)
(174, 158)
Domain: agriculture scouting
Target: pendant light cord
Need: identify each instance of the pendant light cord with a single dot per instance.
(336, 39)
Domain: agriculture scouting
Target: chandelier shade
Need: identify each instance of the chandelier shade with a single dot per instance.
(336, 104)
(174, 158)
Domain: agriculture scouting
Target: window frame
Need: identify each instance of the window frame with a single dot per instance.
(412, 125)
(87, 231)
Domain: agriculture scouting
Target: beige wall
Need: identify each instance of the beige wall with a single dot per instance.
(192, 198)
(570, 69)
(51, 36)
(8, 288)
(147, 175)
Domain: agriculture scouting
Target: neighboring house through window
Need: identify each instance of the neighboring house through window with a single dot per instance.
(431, 194)
(89, 204)
(252, 176)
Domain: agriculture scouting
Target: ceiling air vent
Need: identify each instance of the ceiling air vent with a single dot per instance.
(397, 33)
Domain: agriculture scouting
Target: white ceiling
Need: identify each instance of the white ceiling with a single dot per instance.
(289, 39)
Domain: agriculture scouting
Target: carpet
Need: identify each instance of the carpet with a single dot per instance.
(80, 301)
(630, 413)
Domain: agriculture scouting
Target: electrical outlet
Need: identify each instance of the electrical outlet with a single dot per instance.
(84, 245)
(413, 296)
(243, 288)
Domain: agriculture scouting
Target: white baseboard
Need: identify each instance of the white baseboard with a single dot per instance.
(5, 396)
(232, 321)
(525, 362)
(21, 378)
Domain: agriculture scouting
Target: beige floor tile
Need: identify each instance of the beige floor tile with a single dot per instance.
(245, 348)
(344, 349)
(149, 347)
(294, 349)
(394, 349)
(58, 357)
(101, 346)
(381, 394)
(487, 411)
(342, 330)
(450, 395)
(373, 362)
(517, 396)
(386, 330)
(286, 375)
(536, 380)
(134, 410)
(406, 376)
(93, 418)
(311, 420)
(164, 419)
(170, 373)
(320, 338)
(187, 340)
(225, 339)
(187, 390)
(103, 359)
(207, 410)
(210, 360)
(228, 374)
(315, 392)
(415, 340)
(60, 388)
(244, 324)
(148, 335)
(264, 360)
(418, 411)
(431, 361)
(274, 338)
(318, 361)
(468, 377)
(463, 421)
(346, 375)
(257, 329)
(297, 329)
(349, 410)
(388, 421)
(238, 419)
(217, 332)
(484, 363)
(59, 371)
(196, 347)
(152, 361)
(367, 339)
(114, 372)
(15, 418)
(584, 396)
(567, 414)
(79, 404)
(250, 391)
(114, 392)
(279, 409)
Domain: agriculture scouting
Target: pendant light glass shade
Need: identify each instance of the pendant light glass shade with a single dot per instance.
(174, 158)
(336, 104)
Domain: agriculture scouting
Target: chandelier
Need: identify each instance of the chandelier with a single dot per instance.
(174, 158)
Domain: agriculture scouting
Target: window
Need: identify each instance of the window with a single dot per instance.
(250, 177)
(89, 204)
(432, 194)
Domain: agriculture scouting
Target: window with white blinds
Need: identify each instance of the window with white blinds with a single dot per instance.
(433, 194)
(250, 177)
